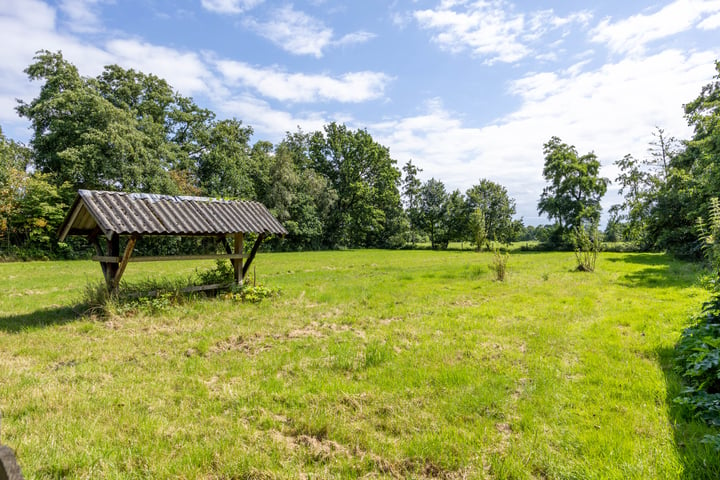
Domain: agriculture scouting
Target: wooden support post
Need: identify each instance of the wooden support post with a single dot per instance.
(92, 238)
(254, 250)
(238, 263)
(124, 261)
(113, 250)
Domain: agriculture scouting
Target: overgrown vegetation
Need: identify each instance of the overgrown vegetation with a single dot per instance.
(156, 295)
(698, 361)
(698, 351)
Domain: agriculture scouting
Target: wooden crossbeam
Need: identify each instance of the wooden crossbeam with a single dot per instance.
(168, 258)
(113, 264)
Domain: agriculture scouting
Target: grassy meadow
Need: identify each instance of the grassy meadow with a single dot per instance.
(376, 364)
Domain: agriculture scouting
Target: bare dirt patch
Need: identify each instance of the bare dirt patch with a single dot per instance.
(250, 345)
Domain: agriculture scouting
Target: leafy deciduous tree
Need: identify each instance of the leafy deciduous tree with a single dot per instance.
(433, 200)
(497, 208)
(366, 181)
(575, 188)
(411, 191)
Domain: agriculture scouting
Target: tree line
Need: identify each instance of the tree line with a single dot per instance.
(130, 131)
(332, 188)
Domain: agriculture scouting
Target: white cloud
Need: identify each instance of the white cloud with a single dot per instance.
(29, 26)
(611, 110)
(491, 29)
(185, 71)
(300, 34)
(631, 35)
(299, 87)
(82, 15)
(710, 23)
(268, 122)
(355, 37)
(230, 6)
(294, 32)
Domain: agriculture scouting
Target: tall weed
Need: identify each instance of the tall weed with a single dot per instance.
(499, 263)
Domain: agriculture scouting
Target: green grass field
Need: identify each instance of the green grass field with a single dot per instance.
(378, 364)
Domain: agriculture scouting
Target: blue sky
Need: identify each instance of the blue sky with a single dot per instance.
(466, 89)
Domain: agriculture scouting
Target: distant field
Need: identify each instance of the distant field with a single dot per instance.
(385, 364)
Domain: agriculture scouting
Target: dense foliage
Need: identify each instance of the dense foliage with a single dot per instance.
(667, 192)
(698, 351)
(698, 362)
(130, 131)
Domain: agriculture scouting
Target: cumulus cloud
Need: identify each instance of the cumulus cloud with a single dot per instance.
(354, 37)
(270, 122)
(300, 34)
(82, 15)
(294, 31)
(32, 25)
(299, 87)
(491, 29)
(185, 71)
(631, 35)
(611, 110)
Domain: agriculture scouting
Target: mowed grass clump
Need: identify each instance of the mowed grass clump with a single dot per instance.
(408, 364)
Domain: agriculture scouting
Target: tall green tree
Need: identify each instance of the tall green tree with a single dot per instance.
(121, 130)
(457, 218)
(14, 156)
(301, 199)
(478, 229)
(575, 188)
(640, 182)
(691, 179)
(14, 161)
(224, 165)
(433, 209)
(411, 186)
(497, 208)
(366, 180)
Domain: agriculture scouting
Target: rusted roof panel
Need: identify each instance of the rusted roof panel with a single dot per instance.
(151, 214)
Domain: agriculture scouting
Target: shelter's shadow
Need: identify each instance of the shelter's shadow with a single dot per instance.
(40, 318)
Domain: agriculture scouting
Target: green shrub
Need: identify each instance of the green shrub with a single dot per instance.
(251, 293)
(587, 245)
(222, 273)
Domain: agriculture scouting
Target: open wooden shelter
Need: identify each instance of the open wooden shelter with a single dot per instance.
(96, 214)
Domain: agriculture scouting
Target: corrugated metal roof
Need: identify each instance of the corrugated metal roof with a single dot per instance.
(151, 214)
